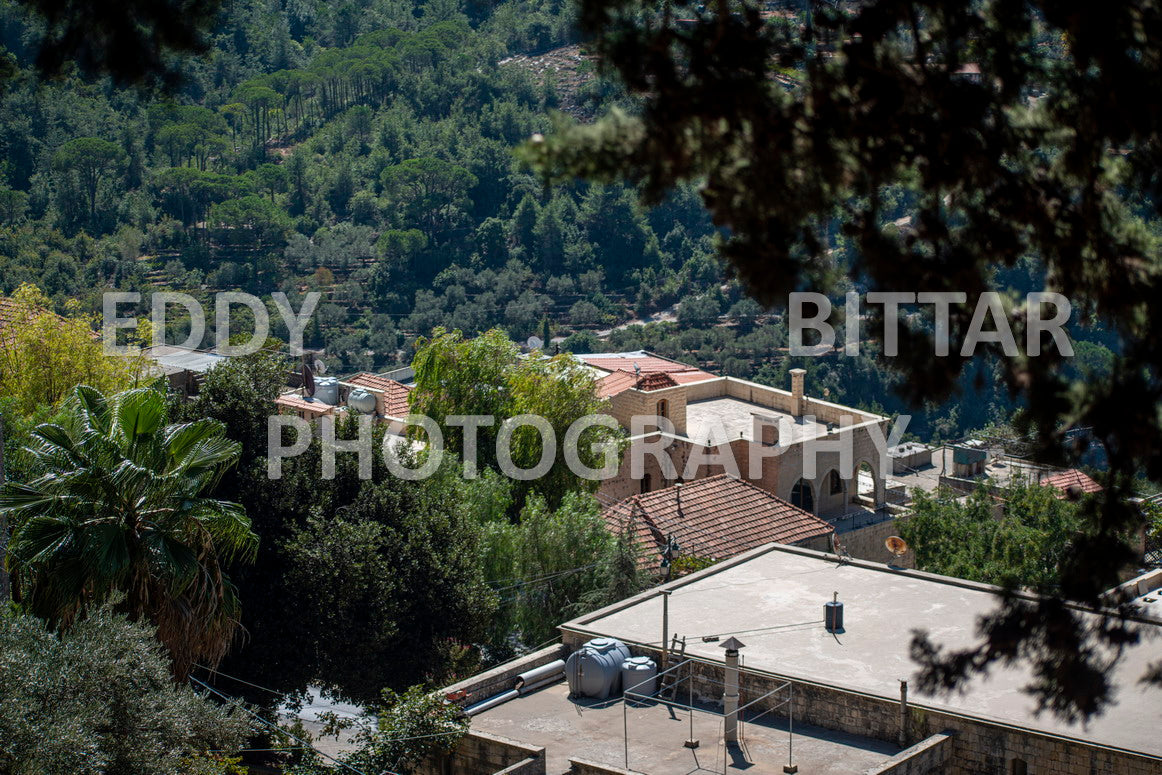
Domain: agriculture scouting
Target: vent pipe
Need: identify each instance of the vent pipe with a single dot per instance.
(833, 615)
(798, 399)
(730, 696)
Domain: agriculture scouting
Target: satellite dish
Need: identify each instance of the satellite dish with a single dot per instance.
(320, 367)
(535, 343)
(896, 545)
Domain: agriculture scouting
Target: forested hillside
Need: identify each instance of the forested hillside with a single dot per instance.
(365, 150)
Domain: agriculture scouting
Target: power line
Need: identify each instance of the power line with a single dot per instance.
(538, 580)
(279, 729)
(241, 681)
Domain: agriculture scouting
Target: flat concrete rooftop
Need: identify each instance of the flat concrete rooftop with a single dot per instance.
(723, 419)
(595, 730)
(772, 599)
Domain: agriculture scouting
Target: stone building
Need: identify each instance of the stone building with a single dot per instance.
(708, 425)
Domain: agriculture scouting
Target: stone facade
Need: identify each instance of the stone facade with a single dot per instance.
(502, 677)
(481, 753)
(831, 487)
(928, 757)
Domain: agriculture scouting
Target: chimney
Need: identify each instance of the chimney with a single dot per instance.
(730, 695)
(798, 400)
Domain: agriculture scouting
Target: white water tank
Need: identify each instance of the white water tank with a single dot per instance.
(594, 670)
(327, 390)
(639, 674)
(361, 401)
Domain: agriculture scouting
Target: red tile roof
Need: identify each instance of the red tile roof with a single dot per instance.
(720, 517)
(395, 399)
(656, 381)
(617, 382)
(649, 364)
(1071, 477)
(297, 403)
(10, 313)
(620, 381)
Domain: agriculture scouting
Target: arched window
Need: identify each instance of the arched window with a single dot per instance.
(801, 496)
(663, 408)
(834, 483)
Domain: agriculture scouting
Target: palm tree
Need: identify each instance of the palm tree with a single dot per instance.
(119, 511)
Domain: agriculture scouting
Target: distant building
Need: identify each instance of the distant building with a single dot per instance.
(1071, 482)
(184, 368)
(714, 519)
(378, 395)
(712, 414)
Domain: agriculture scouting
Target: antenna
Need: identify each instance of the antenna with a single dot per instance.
(896, 545)
(838, 548)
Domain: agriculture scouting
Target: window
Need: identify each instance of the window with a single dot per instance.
(1019, 767)
(801, 496)
(663, 408)
(646, 484)
(835, 484)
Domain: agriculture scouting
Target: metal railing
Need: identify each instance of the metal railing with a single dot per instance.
(662, 688)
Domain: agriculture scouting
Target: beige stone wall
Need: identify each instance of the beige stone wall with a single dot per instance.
(503, 677)
(586, 767)
(777, 474)
(629, 403)
(481, 753)
(867, 543)
(932, 756)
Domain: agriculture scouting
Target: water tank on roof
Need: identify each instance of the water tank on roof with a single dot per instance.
(639, 674)
(361, 401)
(594, 670)
(327, 390)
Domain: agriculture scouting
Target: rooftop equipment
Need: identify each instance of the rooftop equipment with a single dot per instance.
(896, 545)
(639, 674)
(833, 615)
(594, 670)
(361, 401)
(327, 390)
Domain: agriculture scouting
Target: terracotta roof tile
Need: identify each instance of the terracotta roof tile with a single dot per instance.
(720, 517)
(655, 381)
(648, 364)
(1071, 477)
(617, 382)
(297, 403)
(10, 313)
(395, 399)
(620, 381)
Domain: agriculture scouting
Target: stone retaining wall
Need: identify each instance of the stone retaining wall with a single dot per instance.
(503, 677)
(586, 767)
(928, 757)
(481, 753)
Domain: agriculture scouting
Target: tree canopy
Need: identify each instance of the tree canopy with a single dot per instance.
(1016, 130)
(99, 699)
(120, 508)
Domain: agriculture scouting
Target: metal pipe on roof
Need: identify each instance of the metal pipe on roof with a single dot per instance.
(491, 702)
(539, 675)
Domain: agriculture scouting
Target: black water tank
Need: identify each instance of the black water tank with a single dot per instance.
(833, 616)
